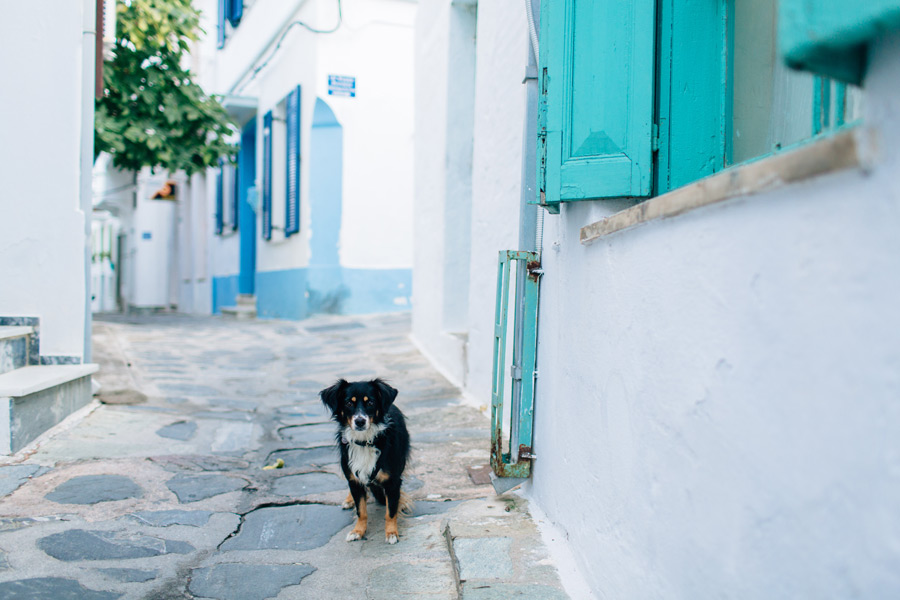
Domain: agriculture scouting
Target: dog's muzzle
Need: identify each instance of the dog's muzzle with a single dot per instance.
(360, 423)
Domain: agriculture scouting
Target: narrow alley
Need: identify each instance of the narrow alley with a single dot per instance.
(159, 489)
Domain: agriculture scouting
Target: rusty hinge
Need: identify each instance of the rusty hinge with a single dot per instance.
(525, 453)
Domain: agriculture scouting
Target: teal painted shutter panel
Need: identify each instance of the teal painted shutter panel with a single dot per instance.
(267, 177)
(831, 37)
(596, 112)
(292, 204)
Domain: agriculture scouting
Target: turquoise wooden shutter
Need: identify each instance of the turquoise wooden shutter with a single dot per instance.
(831, 37)
(596, 107)
(292, 195)
(267, 177)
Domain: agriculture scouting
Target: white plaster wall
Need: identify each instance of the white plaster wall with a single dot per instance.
(42, 229)
(375, 45)
(201, 226)
(432, 83)
(717, 407)
(496, 174)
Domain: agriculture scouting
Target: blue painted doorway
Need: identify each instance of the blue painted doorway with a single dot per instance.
(246, 214)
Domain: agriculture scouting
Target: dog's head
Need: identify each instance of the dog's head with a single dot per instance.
(358, 405)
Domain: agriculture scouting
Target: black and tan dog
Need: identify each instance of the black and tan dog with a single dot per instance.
(374, 447)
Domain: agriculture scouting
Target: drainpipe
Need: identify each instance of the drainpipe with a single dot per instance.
(531, 224)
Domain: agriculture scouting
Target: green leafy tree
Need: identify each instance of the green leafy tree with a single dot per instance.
(152, 114)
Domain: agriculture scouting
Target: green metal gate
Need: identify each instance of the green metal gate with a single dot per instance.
(516, 461)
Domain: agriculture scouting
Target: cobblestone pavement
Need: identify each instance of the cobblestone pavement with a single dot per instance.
(160, 491)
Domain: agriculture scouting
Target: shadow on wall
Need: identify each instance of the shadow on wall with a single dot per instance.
(330, 302)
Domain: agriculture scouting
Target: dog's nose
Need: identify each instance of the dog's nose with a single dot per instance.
(360, 422)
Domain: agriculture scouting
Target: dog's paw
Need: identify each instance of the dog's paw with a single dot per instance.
(353, 536)
(348, 504)
(391, 538)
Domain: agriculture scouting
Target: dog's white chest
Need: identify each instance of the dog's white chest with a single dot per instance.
(362, 461)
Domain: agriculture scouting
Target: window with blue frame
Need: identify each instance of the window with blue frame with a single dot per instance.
(229, 17)
(226, 197)
(292, 167)
(641, 97)
(268, 121)
(281, 168)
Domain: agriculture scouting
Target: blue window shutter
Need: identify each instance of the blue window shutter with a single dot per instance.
(219, 199)
(596, 77)
(236, 11)
(267, 177)
(235, 194)
(221, 23)
(292, 195)
(831, 37)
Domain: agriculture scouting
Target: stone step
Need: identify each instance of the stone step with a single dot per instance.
(246, 300)
(35, 398)
(240, 312)
(15, 342)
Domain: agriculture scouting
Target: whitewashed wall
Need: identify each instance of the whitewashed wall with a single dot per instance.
(717, 402)
(497, 101)
(43, 232)
(373, 44)
(497, 174)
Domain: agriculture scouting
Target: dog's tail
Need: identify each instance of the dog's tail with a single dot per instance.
(406, 504)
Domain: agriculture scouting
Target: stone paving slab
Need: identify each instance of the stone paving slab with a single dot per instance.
(298, 527)
(91, 489)
(80, 544)
(52, 588)
(236, 581)
(223, 399)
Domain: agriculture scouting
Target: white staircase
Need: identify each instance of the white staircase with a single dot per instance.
(245, 309)
(33, 396)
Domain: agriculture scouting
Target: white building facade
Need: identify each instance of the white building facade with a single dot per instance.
(316, 214)
(45, 224)
(48, 74)
(717, 363)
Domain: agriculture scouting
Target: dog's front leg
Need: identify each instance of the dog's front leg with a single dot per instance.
(358, 491)
(392, 494)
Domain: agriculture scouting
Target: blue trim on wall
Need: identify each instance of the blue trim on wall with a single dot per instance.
(295, 294)
(281, 294)
(224, 292)
(376, 290)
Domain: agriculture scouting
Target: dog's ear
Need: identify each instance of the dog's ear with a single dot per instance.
(331, 397)
(386, 393)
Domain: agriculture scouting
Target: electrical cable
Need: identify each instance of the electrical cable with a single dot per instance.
(284, 35)
(533, 36)
(532, 30)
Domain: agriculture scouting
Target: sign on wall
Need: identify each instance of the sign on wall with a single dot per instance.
(342, 85)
